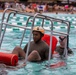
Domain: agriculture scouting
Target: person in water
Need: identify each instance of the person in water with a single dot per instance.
(38, 50)
(60, 49)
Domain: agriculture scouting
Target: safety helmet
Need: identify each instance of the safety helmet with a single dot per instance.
(39, 29)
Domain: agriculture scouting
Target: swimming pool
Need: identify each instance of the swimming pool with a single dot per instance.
(13, 40)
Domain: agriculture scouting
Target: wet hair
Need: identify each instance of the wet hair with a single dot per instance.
(61, 39)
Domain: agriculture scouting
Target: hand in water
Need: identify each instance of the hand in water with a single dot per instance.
(21, 65)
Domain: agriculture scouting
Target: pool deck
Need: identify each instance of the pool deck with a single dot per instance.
(64, 12)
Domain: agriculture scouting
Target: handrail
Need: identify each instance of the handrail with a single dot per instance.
(24, 31)
(3, 16)
(37, 15)
(1, 37)
(29, 28)
(30, 38)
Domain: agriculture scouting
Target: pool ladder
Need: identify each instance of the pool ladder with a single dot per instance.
(34, 16)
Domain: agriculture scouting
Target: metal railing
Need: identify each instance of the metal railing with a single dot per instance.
(33, 15)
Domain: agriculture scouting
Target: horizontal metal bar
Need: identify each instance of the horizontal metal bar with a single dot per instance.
(29, 28)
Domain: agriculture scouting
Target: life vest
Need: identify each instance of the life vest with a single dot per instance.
(46, 38)
(8, 59)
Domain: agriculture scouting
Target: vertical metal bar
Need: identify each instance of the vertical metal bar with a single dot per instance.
(43, 23)
(30, 39)
(50, 47)
(24, 31)
(4, 29)
(3, 16)
(68, 34)
(2, 22)
(65, 49)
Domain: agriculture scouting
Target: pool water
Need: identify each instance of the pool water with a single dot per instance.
(13, 37)
(41, 69)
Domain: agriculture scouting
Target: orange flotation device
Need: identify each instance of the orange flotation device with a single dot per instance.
(46, 38)
(8, 59)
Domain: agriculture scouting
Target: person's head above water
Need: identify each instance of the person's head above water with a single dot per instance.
(39, 29)
(38, 33)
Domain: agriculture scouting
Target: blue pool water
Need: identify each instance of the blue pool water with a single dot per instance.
(13, 37)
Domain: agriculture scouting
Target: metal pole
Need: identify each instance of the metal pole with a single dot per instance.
(1, 39)
(30, 39)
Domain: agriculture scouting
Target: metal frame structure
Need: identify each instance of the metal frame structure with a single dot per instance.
(32, 15)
